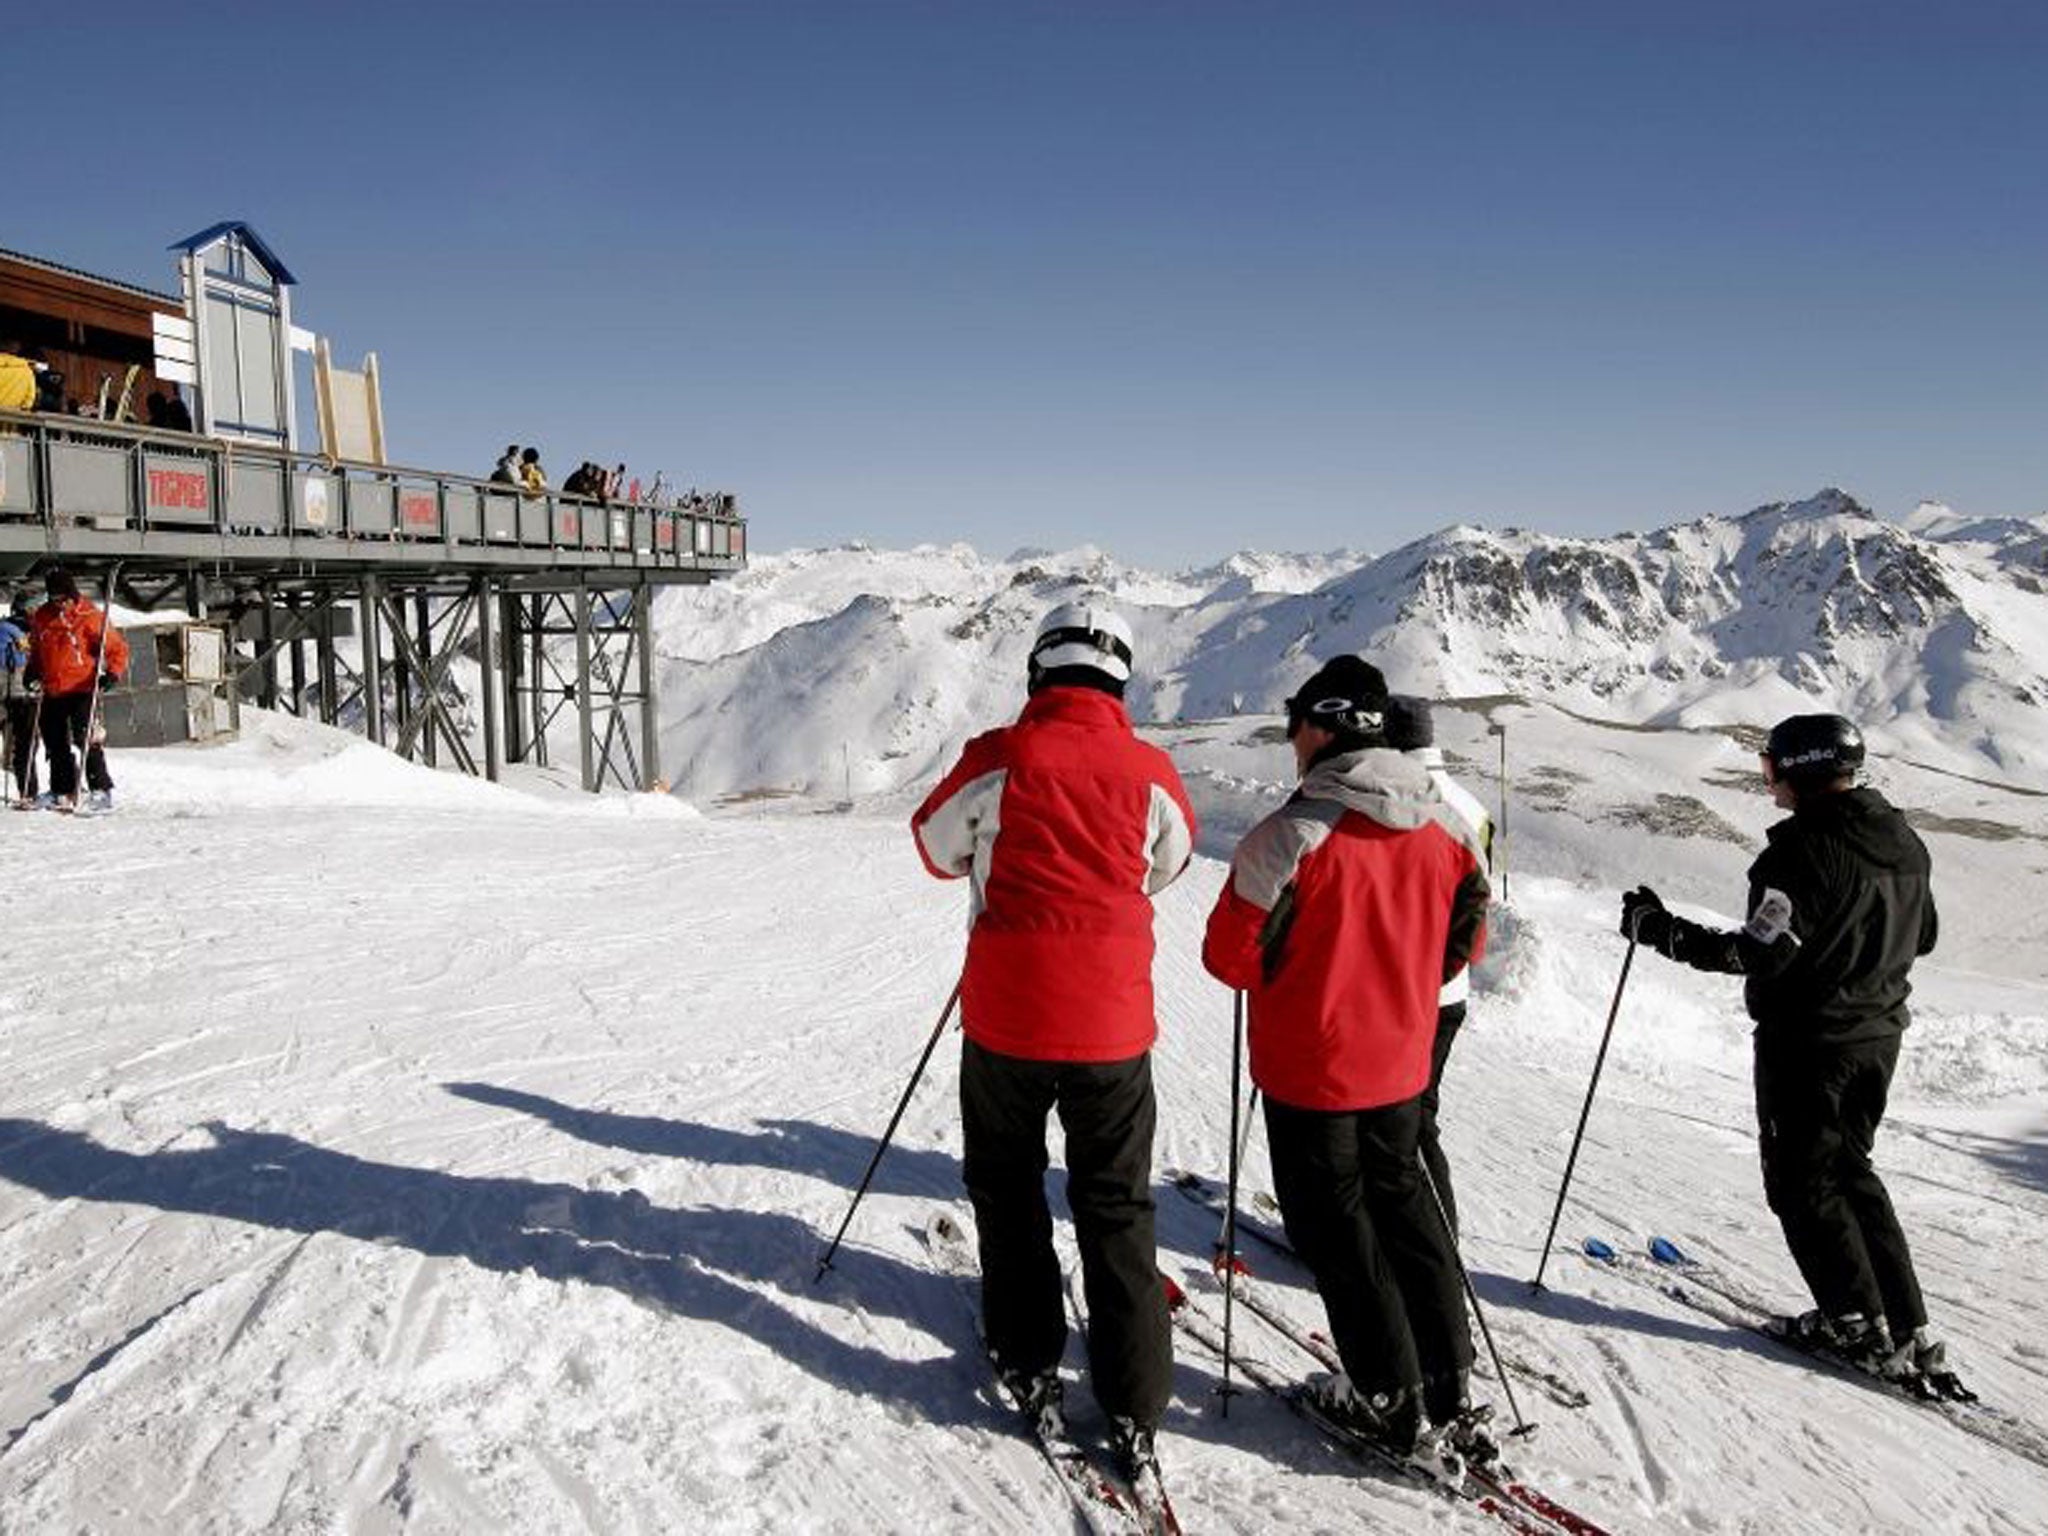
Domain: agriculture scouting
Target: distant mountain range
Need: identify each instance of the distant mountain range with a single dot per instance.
(820, 670)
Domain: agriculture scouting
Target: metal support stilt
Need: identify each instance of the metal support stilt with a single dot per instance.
(584, 721)
(537, 640)
(373, 670)
(266, 636)
(515, 732)
(650, 717)
(426, 658)
(487, 660)
(330, 672)
(293, 603)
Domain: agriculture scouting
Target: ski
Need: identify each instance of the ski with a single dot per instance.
(1666, 1269)
(1492, 1489)
(1212, 1196)
(1105, 1506)
(1147, 1489)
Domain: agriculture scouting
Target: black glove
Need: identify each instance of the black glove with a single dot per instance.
(1644, 919)
(110, 680)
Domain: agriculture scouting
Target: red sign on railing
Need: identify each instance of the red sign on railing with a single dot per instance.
(181, 489)
(418, 509)
(665, 532)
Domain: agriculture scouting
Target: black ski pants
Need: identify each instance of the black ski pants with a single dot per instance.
(1818, 1105)
(21, 743)
(66, 717)
(1449, 1020)
(1107, 1112)
(1356, 1209)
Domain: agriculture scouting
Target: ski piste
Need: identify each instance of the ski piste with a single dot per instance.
(1668, 1270)
(1105, 1504)
(1206, 1192)
(1494, 1489)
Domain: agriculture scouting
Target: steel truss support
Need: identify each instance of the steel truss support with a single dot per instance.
(559, 660)
(583, 652)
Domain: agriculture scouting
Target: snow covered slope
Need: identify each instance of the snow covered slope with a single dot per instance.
(383, 1152)
(822, 668)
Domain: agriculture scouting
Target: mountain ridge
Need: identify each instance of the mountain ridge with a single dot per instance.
(866, 667)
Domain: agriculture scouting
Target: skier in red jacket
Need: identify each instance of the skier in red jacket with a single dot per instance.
(1067, 825)
(67, 655)
(1345, 912)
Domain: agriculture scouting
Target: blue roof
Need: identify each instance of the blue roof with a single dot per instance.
(250, 238)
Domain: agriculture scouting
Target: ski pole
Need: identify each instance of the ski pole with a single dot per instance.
(1522, 1425)
(1228, 1255)
(1244, 1142)
(882, 1146)
(99, 669)
(1608, 1034)
(35, 741)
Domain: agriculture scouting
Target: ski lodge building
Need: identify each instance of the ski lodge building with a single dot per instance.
(347, 586)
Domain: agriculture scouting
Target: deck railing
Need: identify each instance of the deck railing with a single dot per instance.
(162, 489)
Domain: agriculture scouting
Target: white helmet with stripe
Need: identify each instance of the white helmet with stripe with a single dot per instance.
(1088, 633)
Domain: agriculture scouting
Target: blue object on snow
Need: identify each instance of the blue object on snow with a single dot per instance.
(1597, 1249)
(1664, 1251)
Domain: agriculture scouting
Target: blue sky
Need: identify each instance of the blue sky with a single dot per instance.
(1171, 278)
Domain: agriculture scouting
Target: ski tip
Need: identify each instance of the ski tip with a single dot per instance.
(1598, 1248)
(1665, 1251)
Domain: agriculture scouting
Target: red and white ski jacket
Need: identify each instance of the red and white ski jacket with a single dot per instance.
(1346, 910)
(1067, 824)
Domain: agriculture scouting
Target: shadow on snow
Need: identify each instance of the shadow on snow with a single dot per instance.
(718, 1265)
(787, 1146)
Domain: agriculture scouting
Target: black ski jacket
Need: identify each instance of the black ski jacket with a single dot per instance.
(1840, 907)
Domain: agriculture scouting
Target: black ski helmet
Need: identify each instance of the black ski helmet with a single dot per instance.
(1410, 723)
(1347, 697)
(1814, 749)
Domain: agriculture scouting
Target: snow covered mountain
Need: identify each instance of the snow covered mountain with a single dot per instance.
(859, 670)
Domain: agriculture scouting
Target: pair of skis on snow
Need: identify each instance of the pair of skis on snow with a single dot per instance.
(1111, 1505)
(1667, 1269)
(1490, 1487)
(1108, 1503)
(1209, 1194)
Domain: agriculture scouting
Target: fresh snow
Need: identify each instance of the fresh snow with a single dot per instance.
(385, 1151)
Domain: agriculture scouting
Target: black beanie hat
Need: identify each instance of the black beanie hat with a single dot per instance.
(58, 583)
(1347, 697)
(1410, 724)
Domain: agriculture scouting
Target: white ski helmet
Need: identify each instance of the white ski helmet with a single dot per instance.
(1088, 633)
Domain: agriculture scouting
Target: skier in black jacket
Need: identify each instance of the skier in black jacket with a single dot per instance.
(1839, 909)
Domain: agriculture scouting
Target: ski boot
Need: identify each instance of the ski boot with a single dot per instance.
(1860, 1342)
(1920, 1365)
(1469, 1432)
(99, 802)
(1038, 1396)
(1135, 1448)
(1136, 1452)
(1391, 1420)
